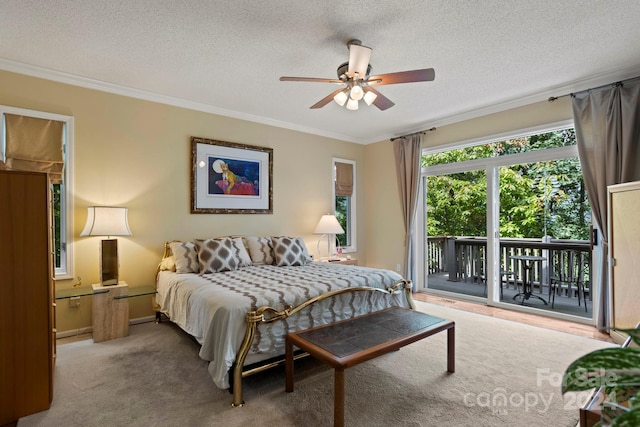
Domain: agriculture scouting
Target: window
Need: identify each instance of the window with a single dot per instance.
(488, 201)
(344, 191)
(60, 188)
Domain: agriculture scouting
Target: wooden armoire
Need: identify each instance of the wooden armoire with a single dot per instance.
(27, 333)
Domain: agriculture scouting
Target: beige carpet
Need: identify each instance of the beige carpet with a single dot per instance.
(507, 374)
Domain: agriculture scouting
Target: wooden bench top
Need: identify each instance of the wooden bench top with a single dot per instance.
(349, 342)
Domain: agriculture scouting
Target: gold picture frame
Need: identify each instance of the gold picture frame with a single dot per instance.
(230, 178)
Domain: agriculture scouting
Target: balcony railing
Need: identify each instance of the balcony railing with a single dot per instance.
(464, 258)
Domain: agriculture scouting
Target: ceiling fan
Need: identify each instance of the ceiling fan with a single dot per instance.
(358, 82)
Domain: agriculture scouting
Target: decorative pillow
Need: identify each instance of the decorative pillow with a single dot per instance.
(290, 251)
(260, 250)
(240, 247)
(224, 254)
(168, 264)
(186, 257)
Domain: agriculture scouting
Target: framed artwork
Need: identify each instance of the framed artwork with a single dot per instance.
(230, 178)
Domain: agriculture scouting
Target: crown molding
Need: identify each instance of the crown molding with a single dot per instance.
(88, 83)
(80, 81)
(565, 89)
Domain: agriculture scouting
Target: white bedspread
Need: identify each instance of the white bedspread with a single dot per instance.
(212, 307)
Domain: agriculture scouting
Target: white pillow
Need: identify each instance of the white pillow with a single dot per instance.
(260, 250)
(168, 264)
(186, 257)
(223, 254)
(290, 251)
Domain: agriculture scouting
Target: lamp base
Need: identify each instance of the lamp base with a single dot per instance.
(109, 262)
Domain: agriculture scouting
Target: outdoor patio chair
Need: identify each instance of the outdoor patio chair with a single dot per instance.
(506, 274)
(568, 275)
(503, 273)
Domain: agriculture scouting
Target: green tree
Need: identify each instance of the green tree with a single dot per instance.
(456, 204)
(342, 207)
(545, 198)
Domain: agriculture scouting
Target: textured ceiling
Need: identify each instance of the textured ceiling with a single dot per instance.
(226, 56)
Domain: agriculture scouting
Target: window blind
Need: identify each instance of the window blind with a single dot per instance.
(344, 179)
(34, 145)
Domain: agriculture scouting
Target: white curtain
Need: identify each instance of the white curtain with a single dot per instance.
(407, 155)
(607, 123)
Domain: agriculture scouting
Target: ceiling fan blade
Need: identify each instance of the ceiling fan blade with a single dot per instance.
(309, 79)
(327, 99)
(381, 101)
(359, 57)
(424, 75)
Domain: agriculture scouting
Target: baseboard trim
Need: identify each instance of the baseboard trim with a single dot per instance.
(73, 332)
(89, 329)
(139, 320)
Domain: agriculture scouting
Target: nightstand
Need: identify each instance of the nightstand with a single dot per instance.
(345, 261)
(110, 311)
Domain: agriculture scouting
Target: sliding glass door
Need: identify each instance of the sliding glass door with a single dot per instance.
(507, 222)
(456, 206)
(547, 222)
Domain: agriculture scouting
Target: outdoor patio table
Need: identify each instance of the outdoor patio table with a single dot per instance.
(528, 262)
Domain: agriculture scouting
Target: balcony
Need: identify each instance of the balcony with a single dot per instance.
(561, 276)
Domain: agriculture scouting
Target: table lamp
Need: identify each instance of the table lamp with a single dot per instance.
(329, 227)
(107, 221)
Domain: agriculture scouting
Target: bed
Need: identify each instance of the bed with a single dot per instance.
(239, 297)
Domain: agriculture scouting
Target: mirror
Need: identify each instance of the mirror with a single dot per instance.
(109, 262)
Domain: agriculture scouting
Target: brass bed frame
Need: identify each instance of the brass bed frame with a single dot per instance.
(266, 314)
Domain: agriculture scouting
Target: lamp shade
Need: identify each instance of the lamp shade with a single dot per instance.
(106, 221)
(328, 225)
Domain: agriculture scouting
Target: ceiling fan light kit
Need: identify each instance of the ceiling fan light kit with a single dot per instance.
(369, 97)
(356, 93)
(356, 76)
(341, 97)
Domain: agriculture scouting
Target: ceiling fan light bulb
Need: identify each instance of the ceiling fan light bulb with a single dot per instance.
(369, 97)
(352, 104)
(356, 92)
(340, 98)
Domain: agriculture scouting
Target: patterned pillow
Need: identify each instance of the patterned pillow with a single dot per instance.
(245, 259)
(224, 254)
(186, 257)
(290, 251)
(260, 250)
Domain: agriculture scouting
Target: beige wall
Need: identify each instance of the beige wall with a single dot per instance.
(384, 225)
(135, 153)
